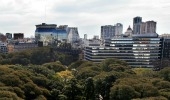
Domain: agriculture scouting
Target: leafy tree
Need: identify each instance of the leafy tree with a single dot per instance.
(165, 73)
(72, 90)
(65, 75)
(106, 64)
(89, 89)
(122, 92)
(56, 66)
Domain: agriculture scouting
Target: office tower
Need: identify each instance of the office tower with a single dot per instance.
(49, 33)
(150, 27)
(140, 27)
(118, 29)
(107, 31)
(137, 25)
(73, 35)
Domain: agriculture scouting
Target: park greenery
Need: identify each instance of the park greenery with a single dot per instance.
(45, 74)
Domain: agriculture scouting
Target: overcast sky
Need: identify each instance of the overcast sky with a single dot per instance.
(88, 15)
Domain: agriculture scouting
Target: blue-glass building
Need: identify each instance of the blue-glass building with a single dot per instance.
(49, 33)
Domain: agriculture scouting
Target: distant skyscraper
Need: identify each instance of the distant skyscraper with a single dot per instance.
(73, 35)
(140, 27)
(137, 25)
(49, 33)
(150, 27)
(107, 31)
(118, 29)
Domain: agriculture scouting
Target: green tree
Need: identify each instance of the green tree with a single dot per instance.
(89, 89)
(122, 92)
(106, 64)
(165, 73)
(72, 90)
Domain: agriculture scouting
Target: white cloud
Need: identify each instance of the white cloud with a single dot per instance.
(87, 15)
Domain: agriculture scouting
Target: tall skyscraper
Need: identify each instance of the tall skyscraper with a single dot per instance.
(118, 29)
(140, 27)
(150, 27)
(137, 25)
(73, 35)
(143, 28)
(107, 31)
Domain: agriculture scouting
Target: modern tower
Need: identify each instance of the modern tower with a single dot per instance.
(137, 25)
(118, 29)
(73, 35)
(107, 31)
(49, 33)
(150, 27)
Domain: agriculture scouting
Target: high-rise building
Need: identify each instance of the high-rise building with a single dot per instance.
(166, 48)
(137, 25)
(150, 27)
(118, 29)
(107, 31)
(49, 33)
(73, 35)
(140, 27)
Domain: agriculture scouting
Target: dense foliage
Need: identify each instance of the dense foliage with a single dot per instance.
(39, 56)
(112, 79)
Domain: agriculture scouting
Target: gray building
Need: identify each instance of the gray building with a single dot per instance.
(150, 27)
(107, 31)
(137, 25)
(137, 51)
(110, 31)
(118, 29)
(140, 27)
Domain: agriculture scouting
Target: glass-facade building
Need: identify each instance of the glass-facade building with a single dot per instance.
(48, 33)
(138, 51)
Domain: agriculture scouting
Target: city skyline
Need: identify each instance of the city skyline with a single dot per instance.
(21, 16)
